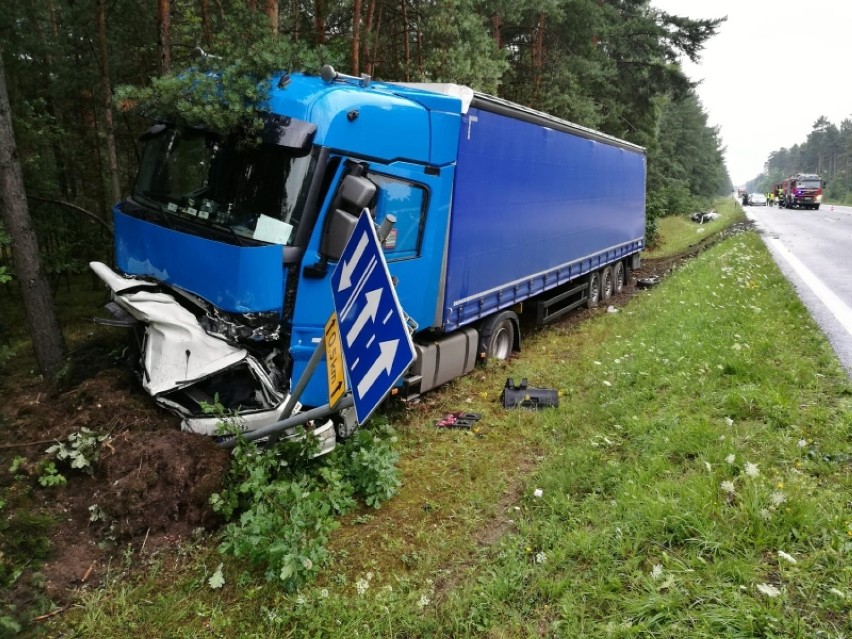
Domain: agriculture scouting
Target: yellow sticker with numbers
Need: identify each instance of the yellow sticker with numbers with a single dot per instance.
(334, 361)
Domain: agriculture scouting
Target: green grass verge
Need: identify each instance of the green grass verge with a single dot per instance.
(678, 232)
(694, 482)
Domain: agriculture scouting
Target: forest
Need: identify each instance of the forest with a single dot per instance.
(81, 75)
(826, 151)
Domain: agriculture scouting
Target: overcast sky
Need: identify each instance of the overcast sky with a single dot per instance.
(773, 69)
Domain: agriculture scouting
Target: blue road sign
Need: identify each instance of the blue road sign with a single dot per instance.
(377, 347)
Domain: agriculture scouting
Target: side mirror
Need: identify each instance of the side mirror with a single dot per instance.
(354, 195)
(338, 229)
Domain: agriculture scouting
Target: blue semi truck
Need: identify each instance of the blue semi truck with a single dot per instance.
(225, 247)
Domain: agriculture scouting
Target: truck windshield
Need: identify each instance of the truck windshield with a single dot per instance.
(809, 184)
(256, 191)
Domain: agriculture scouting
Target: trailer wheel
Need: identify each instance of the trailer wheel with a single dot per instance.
(498, 335)
(593, 294)
(607, 283)
(618, 276)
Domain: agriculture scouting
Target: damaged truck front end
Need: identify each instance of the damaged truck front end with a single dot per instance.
(181, 364)
(204, 249)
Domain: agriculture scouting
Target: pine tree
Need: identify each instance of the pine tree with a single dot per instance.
(47, 339)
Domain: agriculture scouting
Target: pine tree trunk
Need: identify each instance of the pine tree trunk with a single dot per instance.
(421, 67)
(406, 47)
(367, 37)
(496, 30)
(272, 14)
(46, 336)
(106, 89)
(376, 34)
(319, 21)
(206, 27)
(538, 57)
(164, 35)
(50, 95)
(356, 37)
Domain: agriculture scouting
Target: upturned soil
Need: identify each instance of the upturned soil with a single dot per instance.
(148, 488)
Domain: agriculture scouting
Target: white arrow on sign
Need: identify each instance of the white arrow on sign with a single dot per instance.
(368, 312)
(383, 363)
(348, 267)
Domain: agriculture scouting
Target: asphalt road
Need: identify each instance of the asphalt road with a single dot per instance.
(814, 251)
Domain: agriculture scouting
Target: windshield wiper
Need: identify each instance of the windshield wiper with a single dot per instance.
(237, 237)
(156, 207)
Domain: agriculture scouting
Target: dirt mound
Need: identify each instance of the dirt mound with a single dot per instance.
(33, 412)
(149, 486)
(160, 484)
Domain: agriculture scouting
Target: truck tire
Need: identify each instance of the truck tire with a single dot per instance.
(816, 207)
(593, 292)
(619, 277)
(607, 283)
(498, 335)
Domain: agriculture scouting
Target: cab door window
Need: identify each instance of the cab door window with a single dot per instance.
(407, 201)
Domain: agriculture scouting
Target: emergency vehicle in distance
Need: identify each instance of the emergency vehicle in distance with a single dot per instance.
(802, 190)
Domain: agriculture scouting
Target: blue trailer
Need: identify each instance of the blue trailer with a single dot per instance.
(225, 248)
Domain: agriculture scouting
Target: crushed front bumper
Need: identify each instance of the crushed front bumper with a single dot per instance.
(188, 370)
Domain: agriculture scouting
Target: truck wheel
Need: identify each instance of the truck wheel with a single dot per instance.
(498, 335)
(816, 207)
(593, 294)
(607, 283)
(618, 277)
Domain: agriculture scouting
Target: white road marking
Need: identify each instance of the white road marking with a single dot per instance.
(841, 311)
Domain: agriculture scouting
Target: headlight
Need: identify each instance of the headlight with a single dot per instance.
(819, 198)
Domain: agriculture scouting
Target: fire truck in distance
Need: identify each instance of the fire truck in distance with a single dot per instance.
(802, 190)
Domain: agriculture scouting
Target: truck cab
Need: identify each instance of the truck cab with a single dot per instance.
(243, 235)
(802, 190)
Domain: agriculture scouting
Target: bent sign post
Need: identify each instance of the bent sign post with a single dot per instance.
(376, 345)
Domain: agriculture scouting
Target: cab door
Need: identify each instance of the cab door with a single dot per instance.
(415, 251)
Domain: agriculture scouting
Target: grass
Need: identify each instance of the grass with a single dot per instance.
(703, 431)
(679, 232)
